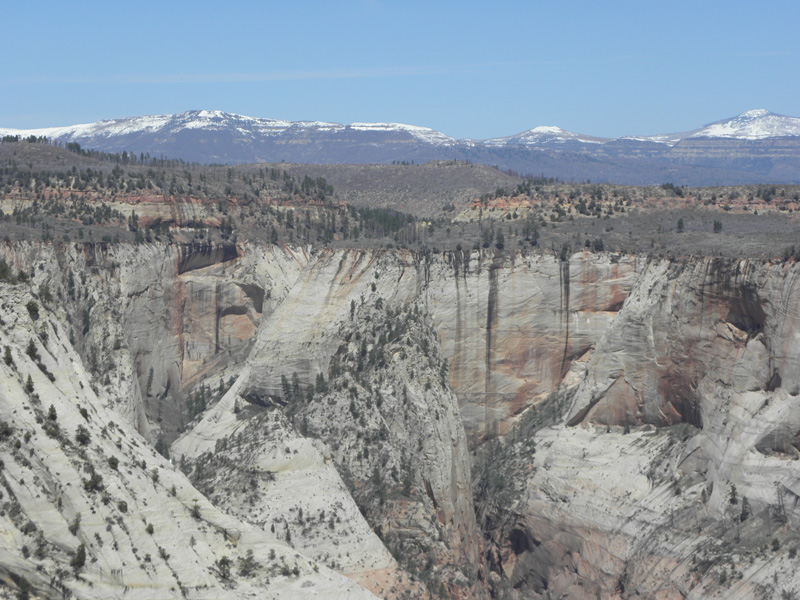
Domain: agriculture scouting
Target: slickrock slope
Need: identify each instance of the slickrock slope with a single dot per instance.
(90, 510)
(251, 462)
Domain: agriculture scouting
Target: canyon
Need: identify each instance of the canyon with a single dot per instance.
(396, 423)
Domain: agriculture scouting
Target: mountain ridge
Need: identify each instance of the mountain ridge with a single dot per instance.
(756, 146)
(747, 125)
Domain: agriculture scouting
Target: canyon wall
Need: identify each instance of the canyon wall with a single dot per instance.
(472, 424)
(672, 471)
(509, 327)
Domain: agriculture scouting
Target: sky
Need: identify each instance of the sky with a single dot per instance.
(468, 69)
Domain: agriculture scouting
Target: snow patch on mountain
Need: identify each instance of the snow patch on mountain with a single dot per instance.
(752, 125)
(107, 128)
(544, 134)
(423, 134)
(669, 139)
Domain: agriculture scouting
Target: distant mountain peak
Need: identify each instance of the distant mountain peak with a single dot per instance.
(756, 124)
(550, 129)
(241, 126)
(208, 113)
(544, 135)
(756, 112)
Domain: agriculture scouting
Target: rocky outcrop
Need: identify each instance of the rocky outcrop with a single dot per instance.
(394, 429)
(199, 257)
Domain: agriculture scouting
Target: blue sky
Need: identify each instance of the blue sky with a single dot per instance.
(468, 69)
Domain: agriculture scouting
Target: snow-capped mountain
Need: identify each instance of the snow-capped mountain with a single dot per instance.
(219, 121)
(750, 125)
(214, 136)
(544, 136)
(767, 146)
(756, 124)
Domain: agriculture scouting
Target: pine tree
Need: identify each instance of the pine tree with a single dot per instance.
(746, 510)
(79, 559)
(295, 386)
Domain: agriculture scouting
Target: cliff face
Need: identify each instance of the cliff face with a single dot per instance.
(462, 423)
(153, 320)
(775, 158)
(688, 330)
(509, 328)
(683, 427)
(190, 314)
